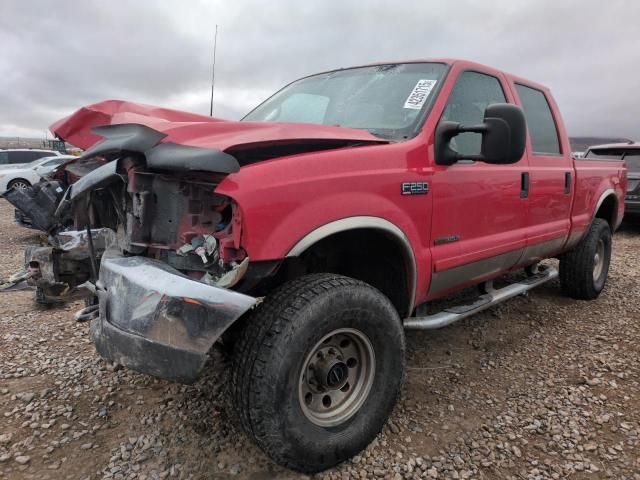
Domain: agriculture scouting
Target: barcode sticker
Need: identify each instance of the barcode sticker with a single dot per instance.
(420, 93)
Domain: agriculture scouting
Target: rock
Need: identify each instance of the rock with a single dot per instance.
(22, 459)
(5, 438)
(26, 397)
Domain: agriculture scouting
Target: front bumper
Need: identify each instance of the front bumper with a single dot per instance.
(157, 321)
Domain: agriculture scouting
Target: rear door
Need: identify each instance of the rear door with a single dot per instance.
(550, 173)
(479, 216)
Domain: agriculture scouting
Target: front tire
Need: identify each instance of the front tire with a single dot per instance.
(584, 270)
(317, 370)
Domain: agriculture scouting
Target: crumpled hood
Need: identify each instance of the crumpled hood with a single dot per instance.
(195, 130)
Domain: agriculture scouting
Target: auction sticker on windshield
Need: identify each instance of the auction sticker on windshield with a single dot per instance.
(419, 94)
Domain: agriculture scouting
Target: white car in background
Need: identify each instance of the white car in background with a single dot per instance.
(25, 175)
(13, 157)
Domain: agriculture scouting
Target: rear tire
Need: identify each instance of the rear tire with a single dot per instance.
(584, 270)
(317, 370)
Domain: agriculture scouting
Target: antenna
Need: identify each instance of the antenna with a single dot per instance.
(213, 69)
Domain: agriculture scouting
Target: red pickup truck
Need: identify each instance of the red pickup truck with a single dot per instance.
(311, 234)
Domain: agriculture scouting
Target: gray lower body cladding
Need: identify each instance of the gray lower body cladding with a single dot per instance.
(155, 320)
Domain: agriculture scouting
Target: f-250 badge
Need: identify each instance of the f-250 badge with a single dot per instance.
(415, 188)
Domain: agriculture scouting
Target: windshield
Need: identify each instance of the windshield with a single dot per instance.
(53, 162)
(387, 100)
(40, 161)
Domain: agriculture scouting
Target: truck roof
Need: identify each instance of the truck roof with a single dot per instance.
(461, 63)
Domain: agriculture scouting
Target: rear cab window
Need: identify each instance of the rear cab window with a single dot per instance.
(540, 122)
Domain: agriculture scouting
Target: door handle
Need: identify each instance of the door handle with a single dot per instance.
(524, 185)
(567, 182)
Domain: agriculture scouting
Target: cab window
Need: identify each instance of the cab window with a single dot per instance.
(540, 122)
(472, 93)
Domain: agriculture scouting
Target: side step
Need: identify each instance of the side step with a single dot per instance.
(490, 298)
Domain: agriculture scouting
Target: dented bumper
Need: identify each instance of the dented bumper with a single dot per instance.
(157, 321)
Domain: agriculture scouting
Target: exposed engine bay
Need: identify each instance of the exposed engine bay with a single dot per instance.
(109, 201)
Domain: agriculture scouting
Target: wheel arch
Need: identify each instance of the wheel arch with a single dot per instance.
(380, 235)
(17, 179)
(607, 209)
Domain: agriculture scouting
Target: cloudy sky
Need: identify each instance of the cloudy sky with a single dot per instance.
(59, 55)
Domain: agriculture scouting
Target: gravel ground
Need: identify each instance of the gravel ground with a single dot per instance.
(539, 387)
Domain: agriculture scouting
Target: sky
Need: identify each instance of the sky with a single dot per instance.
(59, 55)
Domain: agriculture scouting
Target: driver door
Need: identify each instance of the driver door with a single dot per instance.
(479, 209)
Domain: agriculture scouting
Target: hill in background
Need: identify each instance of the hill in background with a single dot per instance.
(25, 142)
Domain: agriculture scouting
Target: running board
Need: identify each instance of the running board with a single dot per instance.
(490, 298)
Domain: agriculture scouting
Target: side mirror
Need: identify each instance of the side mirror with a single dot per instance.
(504, 134)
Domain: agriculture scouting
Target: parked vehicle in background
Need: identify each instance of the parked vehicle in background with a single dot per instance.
(23, 156)
(630, 153)
(309, 235)
(24, 175)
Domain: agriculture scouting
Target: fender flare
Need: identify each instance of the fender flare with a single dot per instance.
(609, 192)
(359, 222)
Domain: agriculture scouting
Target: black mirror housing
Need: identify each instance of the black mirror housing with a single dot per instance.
(504, 134)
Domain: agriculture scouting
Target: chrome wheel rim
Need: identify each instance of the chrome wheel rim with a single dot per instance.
(19, 185)
(336, 377)
(598, 260)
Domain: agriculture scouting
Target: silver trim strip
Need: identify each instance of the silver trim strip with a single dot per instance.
(452, 277)
(540, 251)
(353, 223)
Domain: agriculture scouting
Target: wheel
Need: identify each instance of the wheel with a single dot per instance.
(19, 183)
(583, 271)
(317, 370)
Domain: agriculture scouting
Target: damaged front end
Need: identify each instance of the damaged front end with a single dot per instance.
(149, 239)
(155, 320)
